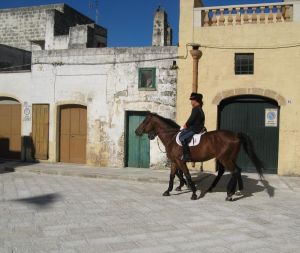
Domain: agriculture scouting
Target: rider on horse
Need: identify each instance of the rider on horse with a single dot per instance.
(194, 125)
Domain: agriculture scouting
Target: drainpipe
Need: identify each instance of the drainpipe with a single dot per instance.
(196, 54)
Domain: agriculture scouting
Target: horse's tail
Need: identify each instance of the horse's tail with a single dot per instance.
(248, 147)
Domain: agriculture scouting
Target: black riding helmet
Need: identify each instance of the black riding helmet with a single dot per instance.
(196, 96)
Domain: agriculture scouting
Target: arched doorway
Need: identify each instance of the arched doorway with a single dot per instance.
(10, 128)
(259, 118)
(73, 134)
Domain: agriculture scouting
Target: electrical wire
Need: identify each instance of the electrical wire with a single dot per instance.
(88, 63)
(156, 59)
(249, 47)
(105, 63)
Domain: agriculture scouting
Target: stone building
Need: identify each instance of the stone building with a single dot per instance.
(82, 105)
(56, 26)
(162, 31)
(248, 74)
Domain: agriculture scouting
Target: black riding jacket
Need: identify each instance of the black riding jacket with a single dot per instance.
(196, 121)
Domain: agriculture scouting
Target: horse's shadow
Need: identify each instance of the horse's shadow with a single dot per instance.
(251, 186)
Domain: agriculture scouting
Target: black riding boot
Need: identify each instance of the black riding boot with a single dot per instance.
(186, 153)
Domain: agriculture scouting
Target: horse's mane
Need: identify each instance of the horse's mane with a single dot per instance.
(169, 122)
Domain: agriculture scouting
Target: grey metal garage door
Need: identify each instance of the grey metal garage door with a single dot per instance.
(259, 118)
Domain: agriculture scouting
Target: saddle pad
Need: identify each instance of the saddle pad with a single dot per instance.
(194, 142)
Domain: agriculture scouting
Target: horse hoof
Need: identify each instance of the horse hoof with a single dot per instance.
(194, 196)
(210, 190)
(238, 193)
(178, 189)
(229, 199)
(166, 194)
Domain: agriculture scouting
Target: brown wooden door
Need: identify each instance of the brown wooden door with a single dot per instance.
(73, 132)
(40, 131)
(10, 131)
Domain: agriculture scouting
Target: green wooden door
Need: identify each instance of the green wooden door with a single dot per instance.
(248, 115)
(138, 148)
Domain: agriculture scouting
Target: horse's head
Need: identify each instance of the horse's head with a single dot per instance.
(147, 127)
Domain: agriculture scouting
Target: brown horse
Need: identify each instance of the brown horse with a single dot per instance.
(222, 145)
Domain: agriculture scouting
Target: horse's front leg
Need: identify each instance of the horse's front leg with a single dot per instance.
(171, 181)
(179, 174)
(188, 177)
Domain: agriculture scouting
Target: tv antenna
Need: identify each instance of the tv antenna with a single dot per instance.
(94, 4)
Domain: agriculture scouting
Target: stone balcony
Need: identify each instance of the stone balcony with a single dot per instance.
(232, 15)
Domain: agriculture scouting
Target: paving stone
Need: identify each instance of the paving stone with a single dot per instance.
(80, 214)
(123, 246)
(153, 249)
(73, 244)
(56, 230)
(219, 250)
(106, 240)
(65, 251)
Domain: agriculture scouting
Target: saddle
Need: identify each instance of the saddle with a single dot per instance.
(194, 141)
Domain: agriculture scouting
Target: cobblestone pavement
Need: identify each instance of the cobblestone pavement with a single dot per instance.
(52, 213)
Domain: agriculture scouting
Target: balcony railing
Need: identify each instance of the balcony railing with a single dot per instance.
(246, 14)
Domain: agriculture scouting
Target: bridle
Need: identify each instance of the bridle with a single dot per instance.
(153, 134)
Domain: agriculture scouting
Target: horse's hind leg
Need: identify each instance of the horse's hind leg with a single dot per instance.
(171, 181)
(236, 178)
(231, 186)
(239, 181)
(230, 165)
(221, 171)
(179, 174)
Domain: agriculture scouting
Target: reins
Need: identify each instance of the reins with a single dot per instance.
(160, 147)
(167, 144)
(155, 134)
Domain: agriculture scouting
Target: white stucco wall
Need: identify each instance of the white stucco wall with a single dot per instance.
(106, 81)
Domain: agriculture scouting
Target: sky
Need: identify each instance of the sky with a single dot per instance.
(129, 22)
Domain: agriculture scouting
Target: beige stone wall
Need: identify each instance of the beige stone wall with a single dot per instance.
(276, 74)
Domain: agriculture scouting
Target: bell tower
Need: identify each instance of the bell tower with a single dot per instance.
(162, 31)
